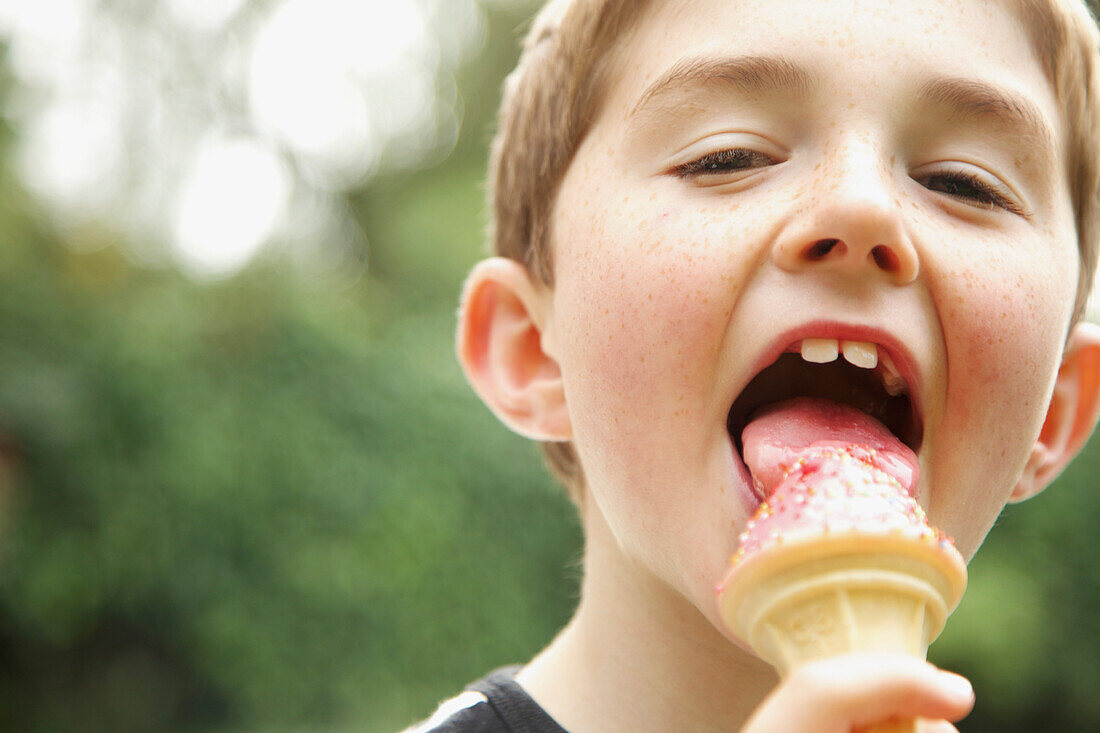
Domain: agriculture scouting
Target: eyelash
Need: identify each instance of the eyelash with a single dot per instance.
(721, 161)
(984, 196)
(734, 160)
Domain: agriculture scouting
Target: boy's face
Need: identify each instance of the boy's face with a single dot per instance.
(837, 169)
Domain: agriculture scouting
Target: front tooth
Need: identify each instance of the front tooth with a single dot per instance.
(820, 351)
(860, 353)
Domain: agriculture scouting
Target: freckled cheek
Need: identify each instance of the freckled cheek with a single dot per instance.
(1005, 334)
(641, 323)
(645, 307)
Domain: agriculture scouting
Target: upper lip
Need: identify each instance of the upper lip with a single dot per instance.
(885, 341)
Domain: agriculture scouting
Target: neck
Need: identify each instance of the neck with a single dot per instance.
(638, 656)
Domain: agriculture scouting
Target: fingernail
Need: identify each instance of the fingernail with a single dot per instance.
(960, 686)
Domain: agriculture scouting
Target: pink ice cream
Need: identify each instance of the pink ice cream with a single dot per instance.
(825, 467)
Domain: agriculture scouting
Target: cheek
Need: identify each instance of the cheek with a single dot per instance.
(1004, 327)
(642, 307)
(1005, 304)
(1007, 329)
(643, 300)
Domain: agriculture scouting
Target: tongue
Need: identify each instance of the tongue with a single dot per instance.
(780, 434)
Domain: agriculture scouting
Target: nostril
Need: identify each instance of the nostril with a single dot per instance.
(819, 249)
(885, 258)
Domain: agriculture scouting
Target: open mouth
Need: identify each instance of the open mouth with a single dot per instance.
(856, 374)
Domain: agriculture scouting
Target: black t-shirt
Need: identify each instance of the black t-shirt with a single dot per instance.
(509, 709)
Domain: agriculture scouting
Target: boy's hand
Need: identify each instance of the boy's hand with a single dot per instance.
(851, 692)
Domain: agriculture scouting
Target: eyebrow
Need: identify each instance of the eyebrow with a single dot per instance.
(759, 74)
(747, 74)
(979, 99)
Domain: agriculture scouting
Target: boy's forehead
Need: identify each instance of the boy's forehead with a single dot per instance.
(757, 77)
(768, 45)
(968, 61)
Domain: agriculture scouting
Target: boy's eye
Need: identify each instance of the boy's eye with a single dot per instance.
(970, 189)
(723, 162)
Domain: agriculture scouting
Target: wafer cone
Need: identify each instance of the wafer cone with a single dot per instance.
(843, 592)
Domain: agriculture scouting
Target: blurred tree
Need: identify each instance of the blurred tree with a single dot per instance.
(258, 503)
(231, 506)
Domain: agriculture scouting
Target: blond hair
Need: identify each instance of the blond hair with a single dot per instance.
(1065, 40)
(553, 96)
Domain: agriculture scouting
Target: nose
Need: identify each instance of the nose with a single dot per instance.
(849, 221)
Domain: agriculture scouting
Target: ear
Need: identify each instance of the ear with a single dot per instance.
(1071, 417)
(500, 346)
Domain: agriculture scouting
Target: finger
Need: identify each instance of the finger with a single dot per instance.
(858, 690)
(868, 688)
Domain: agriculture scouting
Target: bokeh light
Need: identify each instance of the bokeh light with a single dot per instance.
(127, 110)
(229, 204)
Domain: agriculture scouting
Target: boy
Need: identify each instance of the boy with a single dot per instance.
(706, 206)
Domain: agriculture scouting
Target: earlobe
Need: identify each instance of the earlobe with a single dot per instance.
(1072, 415)
(500, 348)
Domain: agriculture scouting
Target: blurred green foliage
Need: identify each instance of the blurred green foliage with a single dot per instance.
(271, 503)
(255, 504)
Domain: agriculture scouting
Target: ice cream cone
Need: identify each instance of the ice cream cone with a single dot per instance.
(840, 592)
